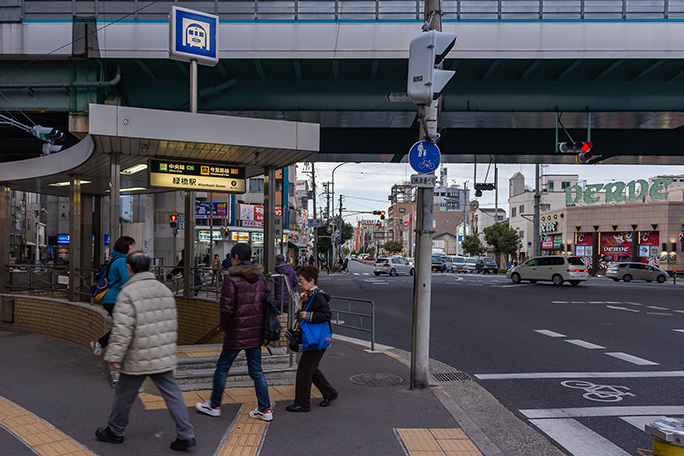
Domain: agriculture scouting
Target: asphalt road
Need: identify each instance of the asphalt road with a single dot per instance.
(588, 365)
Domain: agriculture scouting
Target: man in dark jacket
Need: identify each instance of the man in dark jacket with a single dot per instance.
(282, 293)
(242, 318)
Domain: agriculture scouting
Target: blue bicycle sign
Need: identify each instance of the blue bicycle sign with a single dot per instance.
(424, 157)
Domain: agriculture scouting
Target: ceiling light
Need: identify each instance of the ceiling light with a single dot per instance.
(132, 189)
(66, 184)
(135, 169)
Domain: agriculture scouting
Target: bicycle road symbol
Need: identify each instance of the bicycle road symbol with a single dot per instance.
(427, 164)
(599, 393)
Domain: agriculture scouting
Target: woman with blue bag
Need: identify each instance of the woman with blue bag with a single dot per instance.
(314, 320)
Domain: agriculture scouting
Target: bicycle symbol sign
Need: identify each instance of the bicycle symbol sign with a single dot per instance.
(599, 393)
(424, 157)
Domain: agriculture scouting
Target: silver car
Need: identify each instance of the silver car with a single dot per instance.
(629, 271)
(392, 266)
(471, 265)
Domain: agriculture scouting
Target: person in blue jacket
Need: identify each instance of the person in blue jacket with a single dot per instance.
(117, 276)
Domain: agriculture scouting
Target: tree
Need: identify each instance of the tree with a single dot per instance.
(472, 245)
(502, 238)
(393, 246)
(324, 243)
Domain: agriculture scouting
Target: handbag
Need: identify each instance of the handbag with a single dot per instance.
(294, 339)
(315, 336)
(272, 328)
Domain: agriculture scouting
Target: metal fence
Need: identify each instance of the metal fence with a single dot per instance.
(355, 318)
(316, 10)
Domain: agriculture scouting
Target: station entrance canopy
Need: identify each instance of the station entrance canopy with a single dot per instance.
(139, 134)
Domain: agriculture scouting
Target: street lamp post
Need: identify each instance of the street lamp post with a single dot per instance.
(333, 209)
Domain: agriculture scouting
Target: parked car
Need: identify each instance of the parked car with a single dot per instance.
(629, 271)
(369, 258)
(392, 266)
(439, 263)
(471, 265)
(557, 269)
(455, 263)
(486, 265)
(411, 260)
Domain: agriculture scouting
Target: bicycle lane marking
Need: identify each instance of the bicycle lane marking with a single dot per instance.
(36, 433)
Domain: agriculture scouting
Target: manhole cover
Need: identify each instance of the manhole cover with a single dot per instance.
(376, 380)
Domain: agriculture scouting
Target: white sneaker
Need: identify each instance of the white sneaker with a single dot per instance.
(206, 408)
(266, 416)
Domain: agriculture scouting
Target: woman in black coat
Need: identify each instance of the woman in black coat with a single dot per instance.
(307, 371)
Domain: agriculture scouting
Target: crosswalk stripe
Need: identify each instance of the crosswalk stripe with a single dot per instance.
(578, 439)
(546, 332)
(588, 412)
(584, 344)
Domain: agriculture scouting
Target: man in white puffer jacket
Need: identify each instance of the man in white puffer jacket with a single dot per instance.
(142, 344)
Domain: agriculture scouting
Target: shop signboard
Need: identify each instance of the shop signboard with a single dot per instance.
(547, 244)
(618, 192)
(616, 246)
(204, 235)
(557, 241)
(220, 210)
(239, 236)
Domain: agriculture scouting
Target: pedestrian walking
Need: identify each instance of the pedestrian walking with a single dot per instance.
(226, 262)
(282, 293)
(215, 268)
(242, 319)
(143, 344)
(308, 372)
(117, 277)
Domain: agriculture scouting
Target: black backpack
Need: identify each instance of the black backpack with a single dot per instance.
(272, 326)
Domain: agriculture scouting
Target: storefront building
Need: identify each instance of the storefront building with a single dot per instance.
(642, 222)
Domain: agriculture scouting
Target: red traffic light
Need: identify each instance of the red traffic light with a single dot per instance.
(587, 145)
(173, 217)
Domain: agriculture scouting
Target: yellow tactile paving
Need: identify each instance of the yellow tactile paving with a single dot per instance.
(437, 442)
(39, 435)
(204, 351)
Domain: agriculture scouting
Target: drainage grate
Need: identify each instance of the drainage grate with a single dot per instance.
(452, 377)
(376, 379)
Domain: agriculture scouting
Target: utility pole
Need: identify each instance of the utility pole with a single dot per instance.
(537, 200)
(339, 232)
(315, 229)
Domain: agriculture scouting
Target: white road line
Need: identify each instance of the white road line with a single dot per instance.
(366, 273)
(632, 303)
(679, 311)
(659, 313)
(613, 302)
(578, 302)
(632, 359)
(657, 308)
(622, 308)
(356, 273)
(640, 421)
(567, 375)
(595, 302)
(586, 412)
(679, 330)
(549, 333)
(578, 439)
(584, 344)
(559, 302)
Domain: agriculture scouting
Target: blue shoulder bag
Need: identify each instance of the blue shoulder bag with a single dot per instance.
(315, 336)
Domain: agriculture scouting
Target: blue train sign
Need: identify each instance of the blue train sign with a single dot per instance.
(193, 36)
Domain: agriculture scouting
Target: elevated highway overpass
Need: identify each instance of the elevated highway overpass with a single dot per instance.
(518, 65)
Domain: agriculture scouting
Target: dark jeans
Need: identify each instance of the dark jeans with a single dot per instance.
(109, 307)
(255, 372)
(307, 373)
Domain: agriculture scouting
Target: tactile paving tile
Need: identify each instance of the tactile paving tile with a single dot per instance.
(437, 442)
(39, 435)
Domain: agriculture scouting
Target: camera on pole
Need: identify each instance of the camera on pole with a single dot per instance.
(428, 50)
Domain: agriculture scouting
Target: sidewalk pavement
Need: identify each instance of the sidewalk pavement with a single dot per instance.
(54, 394)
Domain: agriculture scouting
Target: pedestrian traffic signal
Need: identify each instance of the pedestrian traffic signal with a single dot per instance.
(173, 220)
(382, 215)
(226, 232)
(426, 51)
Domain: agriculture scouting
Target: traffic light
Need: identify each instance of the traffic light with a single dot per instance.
(47, 148)
(425, 82)
(226, 232)
(376, 212)
(173, 221)
(582, 149)
(382, 215)
(46, 133)
(480, 187)
(681, 239)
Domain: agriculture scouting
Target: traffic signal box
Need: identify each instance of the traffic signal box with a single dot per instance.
(582, 149)
(426, 51)
(173, 220)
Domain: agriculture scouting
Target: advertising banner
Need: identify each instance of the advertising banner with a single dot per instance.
(584, 239)
(220, 210)
(617, 246)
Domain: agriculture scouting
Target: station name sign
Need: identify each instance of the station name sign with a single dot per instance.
(618, 192)
(181, 175)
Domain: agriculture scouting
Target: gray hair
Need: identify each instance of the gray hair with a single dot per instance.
(138, 261)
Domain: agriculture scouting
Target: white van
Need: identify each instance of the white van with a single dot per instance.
(557, 269)
(455, 263)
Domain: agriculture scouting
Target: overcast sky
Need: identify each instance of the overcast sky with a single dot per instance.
(366, 186)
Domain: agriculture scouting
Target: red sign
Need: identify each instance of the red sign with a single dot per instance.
(617, 245)
(547, 244)
(584, 239)
(649, 238)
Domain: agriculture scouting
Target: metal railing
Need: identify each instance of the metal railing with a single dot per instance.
(47, 279)
(358, 321)
(340, 10)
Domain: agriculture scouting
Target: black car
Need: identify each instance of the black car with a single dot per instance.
(439, 263)
(486, 265)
